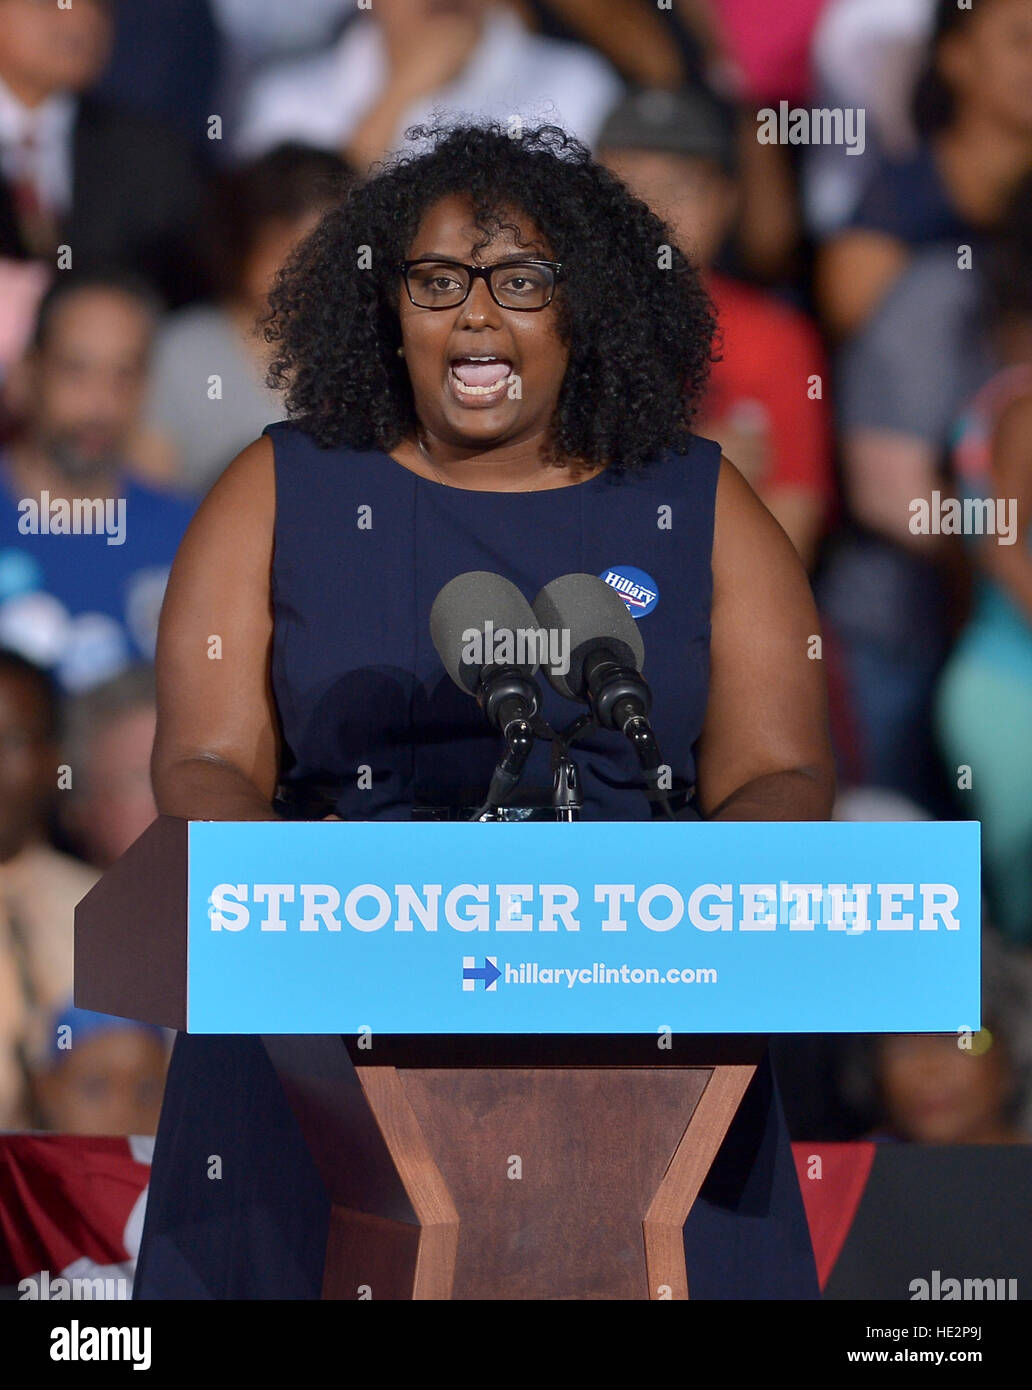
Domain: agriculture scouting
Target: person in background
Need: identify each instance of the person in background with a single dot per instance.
(39, 886)
(896, 402)
(973, 110)
(762, 60)
(648, 45)
(972, 1087)
(101, 1074)
(742, 56)
(165, 63)
(22, 286)
(769, 51)
(107, 185)
(867, 56)
(890, 595)
(765, 403)
(85, 548)
(260, 212)
(255, 33)
(935, 1092)
(393, 66)
(110, 802)
(984, 700)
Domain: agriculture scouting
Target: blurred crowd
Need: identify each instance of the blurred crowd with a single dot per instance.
(853, 177)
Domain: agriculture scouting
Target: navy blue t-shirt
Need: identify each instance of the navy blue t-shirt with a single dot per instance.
(908, 198)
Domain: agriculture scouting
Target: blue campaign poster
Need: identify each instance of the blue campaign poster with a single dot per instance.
(601, 927)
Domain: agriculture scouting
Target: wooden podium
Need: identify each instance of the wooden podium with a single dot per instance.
(486, 1167)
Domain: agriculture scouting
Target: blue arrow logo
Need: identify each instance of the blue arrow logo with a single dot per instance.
(488, 972)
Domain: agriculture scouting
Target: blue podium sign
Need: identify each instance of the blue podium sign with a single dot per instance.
(592, 927)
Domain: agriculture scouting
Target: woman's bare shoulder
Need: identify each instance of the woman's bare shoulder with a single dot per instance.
(746, 536)
(241, 504)
(250, 477)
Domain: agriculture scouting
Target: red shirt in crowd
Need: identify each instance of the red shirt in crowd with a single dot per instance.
(762, 403)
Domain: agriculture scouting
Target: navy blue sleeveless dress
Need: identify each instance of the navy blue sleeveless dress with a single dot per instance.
(362, 547)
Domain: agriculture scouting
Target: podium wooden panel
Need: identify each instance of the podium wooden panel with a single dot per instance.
(603, 1190)
(457, 1168)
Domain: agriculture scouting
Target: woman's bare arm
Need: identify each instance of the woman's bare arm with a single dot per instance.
(217, 746)
(854, 272)
(765, 751)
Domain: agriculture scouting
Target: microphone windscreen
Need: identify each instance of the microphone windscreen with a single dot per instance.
(595, 616)
(467, 611)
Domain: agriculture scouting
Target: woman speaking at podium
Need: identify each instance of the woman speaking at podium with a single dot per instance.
(491, 353)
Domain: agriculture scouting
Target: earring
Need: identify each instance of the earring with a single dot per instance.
(401, 352)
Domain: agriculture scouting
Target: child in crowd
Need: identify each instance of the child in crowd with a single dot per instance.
(102, 1075)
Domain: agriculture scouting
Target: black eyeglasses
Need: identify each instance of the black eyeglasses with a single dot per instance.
(433, 283)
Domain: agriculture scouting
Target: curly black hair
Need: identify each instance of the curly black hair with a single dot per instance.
(631, 306)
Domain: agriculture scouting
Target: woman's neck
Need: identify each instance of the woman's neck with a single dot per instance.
(518, 467)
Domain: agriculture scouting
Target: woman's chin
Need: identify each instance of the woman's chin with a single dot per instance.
(483, 424)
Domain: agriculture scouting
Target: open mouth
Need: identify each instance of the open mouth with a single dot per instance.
(480, 376)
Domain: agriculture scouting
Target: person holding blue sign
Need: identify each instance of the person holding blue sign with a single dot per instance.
(491, 354)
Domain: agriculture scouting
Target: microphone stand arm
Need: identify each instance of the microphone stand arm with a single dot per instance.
(620, 699)
(519, 740)
(510, 701)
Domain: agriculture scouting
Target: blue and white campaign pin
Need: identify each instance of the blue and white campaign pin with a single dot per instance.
(637, 589)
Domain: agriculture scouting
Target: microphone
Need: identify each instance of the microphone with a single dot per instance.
(606, 652)
(472, 613)
(605, 661)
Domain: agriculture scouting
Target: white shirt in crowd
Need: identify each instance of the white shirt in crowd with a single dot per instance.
(49, 129)
(321, 100)
(867, 54)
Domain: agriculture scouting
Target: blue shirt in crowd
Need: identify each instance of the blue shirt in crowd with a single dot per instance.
(81, 586)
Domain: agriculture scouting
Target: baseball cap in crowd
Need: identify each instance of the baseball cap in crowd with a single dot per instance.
(692, 122)
(83, 1024)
